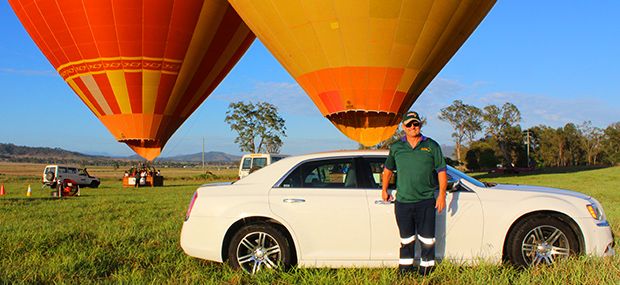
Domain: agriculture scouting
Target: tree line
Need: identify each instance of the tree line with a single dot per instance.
(505, 142)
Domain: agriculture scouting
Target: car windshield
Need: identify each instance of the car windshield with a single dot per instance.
(456, 175)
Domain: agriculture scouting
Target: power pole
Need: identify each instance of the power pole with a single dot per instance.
(527, 143)
(203, 154)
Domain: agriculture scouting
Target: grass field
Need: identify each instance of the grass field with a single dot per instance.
(117, 235)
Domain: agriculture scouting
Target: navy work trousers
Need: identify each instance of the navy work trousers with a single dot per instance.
(416, 221)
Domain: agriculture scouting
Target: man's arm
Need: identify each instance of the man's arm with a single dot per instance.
(443, 185)
(386, 176)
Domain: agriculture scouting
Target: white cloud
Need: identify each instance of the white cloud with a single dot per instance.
(536, 109)
(28, 72)
(287, 96)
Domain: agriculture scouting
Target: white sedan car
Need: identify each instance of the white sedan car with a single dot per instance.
(325, 209)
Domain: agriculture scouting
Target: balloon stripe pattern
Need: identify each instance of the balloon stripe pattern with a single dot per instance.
(141, 66)
(363, 63)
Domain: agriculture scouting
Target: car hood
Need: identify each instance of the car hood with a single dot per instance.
(539, 189)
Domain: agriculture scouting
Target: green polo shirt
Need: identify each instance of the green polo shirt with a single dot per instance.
(417, 169)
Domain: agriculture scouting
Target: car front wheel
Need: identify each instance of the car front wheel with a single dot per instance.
(257, 247)
(541, 240)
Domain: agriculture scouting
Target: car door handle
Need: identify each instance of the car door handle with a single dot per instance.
(381, 202)
(293, 200)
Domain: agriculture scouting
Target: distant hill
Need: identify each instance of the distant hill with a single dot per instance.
(15, 153)
(11, 152)
(211, 156)
(449, 151)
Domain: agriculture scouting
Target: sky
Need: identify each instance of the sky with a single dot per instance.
(557, 61)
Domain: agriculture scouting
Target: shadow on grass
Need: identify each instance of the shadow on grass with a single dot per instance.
(547, 170)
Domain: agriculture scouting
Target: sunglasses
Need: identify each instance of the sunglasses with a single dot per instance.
(410, 124)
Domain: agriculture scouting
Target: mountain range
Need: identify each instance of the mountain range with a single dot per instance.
(15, 153)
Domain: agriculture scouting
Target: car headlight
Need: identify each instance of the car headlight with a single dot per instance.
(595, 212)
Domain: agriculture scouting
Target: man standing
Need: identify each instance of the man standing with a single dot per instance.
(421, 171)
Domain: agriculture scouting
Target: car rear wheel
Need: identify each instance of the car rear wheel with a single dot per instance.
(258, 247)
(541, 240)
(94, 184)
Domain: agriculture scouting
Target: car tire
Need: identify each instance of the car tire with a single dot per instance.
(94, 184)
(540, 240)
(257, 247)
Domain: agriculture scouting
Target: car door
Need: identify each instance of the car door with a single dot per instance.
(61, 173)
(462, 219)
(326, 210)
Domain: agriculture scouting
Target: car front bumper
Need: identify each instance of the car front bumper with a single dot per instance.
(598, 237)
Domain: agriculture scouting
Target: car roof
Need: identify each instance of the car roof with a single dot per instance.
(275, 171)
(340, 153)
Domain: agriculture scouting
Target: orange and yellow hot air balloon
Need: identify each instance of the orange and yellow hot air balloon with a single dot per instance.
(363, 62)
(141, 66)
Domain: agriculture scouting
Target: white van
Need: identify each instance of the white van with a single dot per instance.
(254, 161)
(55, 173)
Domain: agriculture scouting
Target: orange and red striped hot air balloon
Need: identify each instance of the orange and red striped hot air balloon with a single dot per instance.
(141, 66)
(363, 62)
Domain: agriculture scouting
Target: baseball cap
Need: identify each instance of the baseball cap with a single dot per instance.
(410, 116)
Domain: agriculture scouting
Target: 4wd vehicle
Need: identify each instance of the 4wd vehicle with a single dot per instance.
(55, 173)
(255, 161)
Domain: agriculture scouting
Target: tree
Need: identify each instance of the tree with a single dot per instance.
(573, 145)
(480, 156)
(259, 127)
(502, 126)
(611, 143)
(466, 120)
(592, 142)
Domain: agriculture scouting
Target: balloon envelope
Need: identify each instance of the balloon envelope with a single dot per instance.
(141, 66)
(363, 63)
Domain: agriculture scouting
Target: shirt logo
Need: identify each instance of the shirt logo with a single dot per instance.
(426, 149)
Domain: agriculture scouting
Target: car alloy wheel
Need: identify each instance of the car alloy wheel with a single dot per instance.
(544, 244)
(541, 239)
(257, 250)
(258, 247)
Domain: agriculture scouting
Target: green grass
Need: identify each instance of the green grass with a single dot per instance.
(125, 235)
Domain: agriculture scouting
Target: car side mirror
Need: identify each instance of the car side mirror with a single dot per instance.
(453, 185)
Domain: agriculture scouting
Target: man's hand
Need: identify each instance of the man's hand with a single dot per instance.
(440, 204)
(385, 183)
(386, 196)
(442, 176)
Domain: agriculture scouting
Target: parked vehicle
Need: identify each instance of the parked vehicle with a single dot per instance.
(325, 209)
(255, 161)
(53, 174)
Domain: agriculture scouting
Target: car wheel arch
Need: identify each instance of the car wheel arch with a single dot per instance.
(574, 226)
(236, 226)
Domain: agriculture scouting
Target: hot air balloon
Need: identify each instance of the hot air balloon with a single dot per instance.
(141, 66)
(363, 63)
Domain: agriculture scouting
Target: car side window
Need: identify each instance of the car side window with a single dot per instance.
(333, 173)
(451, 179)
(259, 162)
(62, 170)
(247, 163)
(374, 168)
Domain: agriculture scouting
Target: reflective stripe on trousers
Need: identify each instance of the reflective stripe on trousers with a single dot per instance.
(416, 221)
